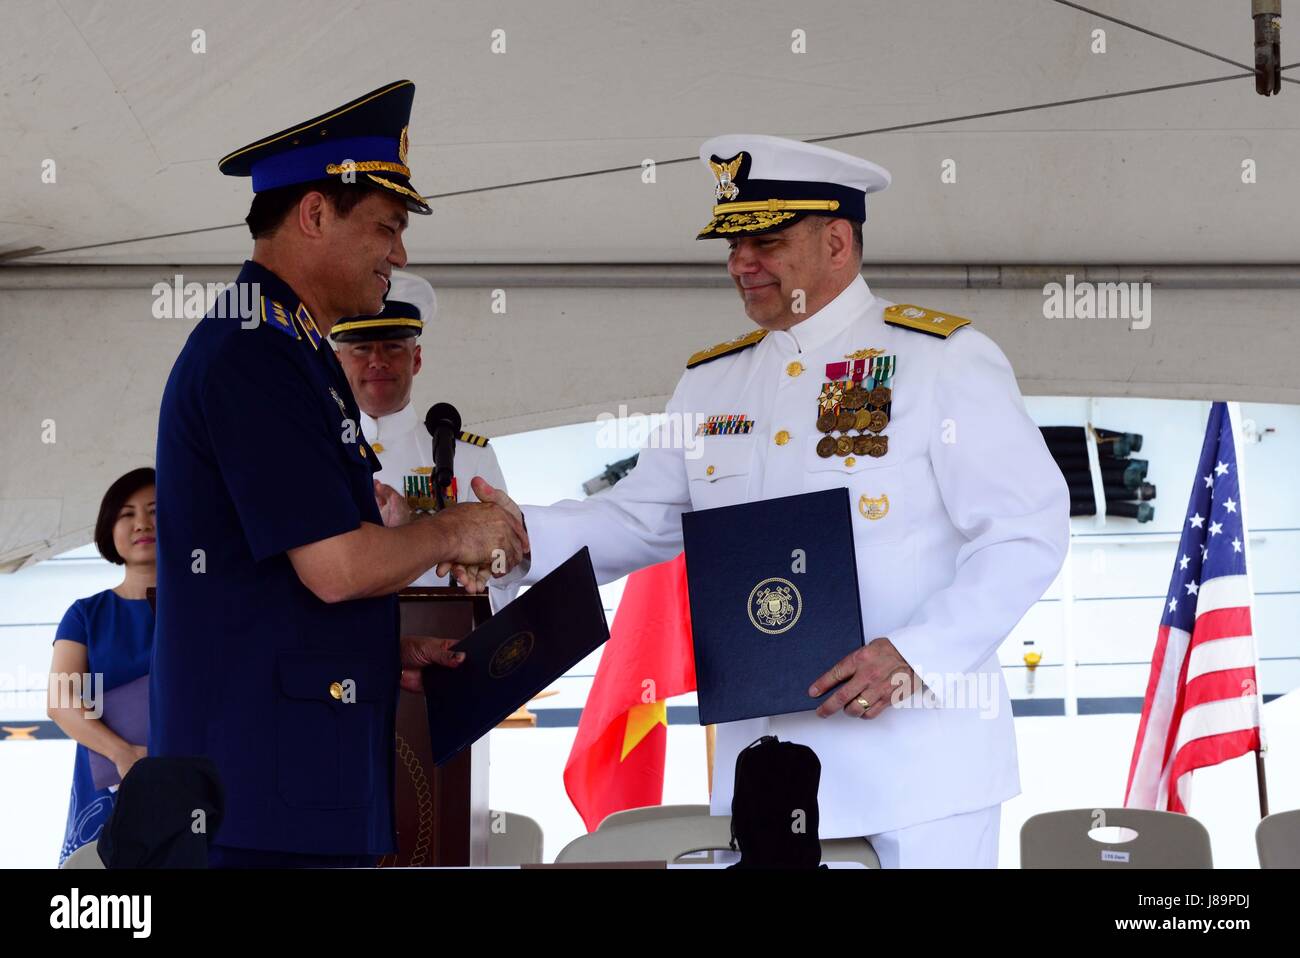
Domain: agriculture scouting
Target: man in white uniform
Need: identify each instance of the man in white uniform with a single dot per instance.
(960, 517)
(381, 357)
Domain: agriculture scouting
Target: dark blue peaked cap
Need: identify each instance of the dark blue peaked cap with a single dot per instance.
(366, 137)
(398, 321)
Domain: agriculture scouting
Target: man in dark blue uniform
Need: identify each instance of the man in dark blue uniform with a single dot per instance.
(277, 652)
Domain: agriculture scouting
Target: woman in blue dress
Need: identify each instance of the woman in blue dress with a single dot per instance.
(109, 634)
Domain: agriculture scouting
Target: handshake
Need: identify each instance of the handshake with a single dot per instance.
(484, 539)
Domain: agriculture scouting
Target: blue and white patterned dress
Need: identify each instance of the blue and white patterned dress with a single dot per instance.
(118, 636)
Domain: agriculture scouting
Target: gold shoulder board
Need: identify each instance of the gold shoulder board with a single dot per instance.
(473, 439)
(925, 321)
(723, 349)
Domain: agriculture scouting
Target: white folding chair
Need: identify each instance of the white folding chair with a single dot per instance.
(513, 839)
(1161, 840)
(1277, 839)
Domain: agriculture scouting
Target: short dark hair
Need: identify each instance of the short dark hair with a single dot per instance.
(270, 207)
(120, 491)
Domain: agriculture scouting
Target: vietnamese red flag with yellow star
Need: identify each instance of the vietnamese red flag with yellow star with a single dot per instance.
(617, 760)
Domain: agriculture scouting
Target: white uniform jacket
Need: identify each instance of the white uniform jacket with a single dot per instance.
(405, 448)
(974, 529)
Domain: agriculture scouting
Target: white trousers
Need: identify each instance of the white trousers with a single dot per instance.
(969, 840)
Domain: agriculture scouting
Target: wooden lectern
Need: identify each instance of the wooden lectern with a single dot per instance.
(442, 813)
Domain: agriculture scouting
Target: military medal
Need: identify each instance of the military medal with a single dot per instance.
(831, 398)
(856, 398)
(418, 492)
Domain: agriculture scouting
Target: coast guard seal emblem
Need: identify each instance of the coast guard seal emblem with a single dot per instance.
(511, 654)
(774, 606)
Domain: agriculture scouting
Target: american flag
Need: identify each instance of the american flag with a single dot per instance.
(1202, 701)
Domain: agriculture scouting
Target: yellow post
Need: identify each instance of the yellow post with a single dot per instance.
(710, 744)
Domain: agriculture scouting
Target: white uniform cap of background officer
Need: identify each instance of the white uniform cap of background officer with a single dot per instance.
(766, 183)
(410, 288)
(410, 304)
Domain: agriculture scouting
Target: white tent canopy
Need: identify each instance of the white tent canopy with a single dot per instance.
(606, 292)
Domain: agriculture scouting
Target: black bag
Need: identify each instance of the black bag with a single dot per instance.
(774, 806)
(154, 822)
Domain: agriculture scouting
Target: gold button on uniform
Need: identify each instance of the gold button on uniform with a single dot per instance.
(709, 471)
(336, 690)
(849, 462)
(363, 452)
(794, 369)
(377, 446)
(781, 438)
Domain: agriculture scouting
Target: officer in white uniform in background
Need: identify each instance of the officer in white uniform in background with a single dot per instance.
(381, 357)
(960, 516)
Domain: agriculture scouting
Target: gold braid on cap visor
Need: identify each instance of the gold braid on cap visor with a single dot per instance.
(762, 214)
(368, 166)
(743, 222)
(776, 206)
(396, 186)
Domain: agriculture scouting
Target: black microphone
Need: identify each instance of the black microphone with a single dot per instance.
(443, 422)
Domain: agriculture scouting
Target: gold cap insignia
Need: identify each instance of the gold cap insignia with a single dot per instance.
(725, 172)
(404, 145)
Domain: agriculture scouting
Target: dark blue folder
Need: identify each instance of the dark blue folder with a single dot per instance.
(764, 631)
(522, 649)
